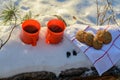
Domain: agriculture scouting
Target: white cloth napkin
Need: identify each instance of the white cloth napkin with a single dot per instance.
(104, 58)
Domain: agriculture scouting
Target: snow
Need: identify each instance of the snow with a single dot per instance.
(17, 57)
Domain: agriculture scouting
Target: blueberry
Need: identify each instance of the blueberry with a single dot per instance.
(74, 53)
(68, 54)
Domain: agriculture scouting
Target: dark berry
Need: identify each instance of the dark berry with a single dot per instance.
(74, 53)
(68, 54)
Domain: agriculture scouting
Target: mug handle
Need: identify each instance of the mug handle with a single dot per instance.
(34, 41)
(47, 37)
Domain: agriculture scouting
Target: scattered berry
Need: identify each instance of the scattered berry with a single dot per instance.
(68, 54)
(74, 53)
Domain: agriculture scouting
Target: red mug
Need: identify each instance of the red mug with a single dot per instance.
(30, 31)
(55, 31)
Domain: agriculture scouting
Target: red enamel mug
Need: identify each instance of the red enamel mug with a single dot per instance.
(30, 32)
(55, 31)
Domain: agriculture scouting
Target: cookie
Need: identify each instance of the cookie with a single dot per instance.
(97, 44)
(80, 36)
(104, 36)
(88, 38)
